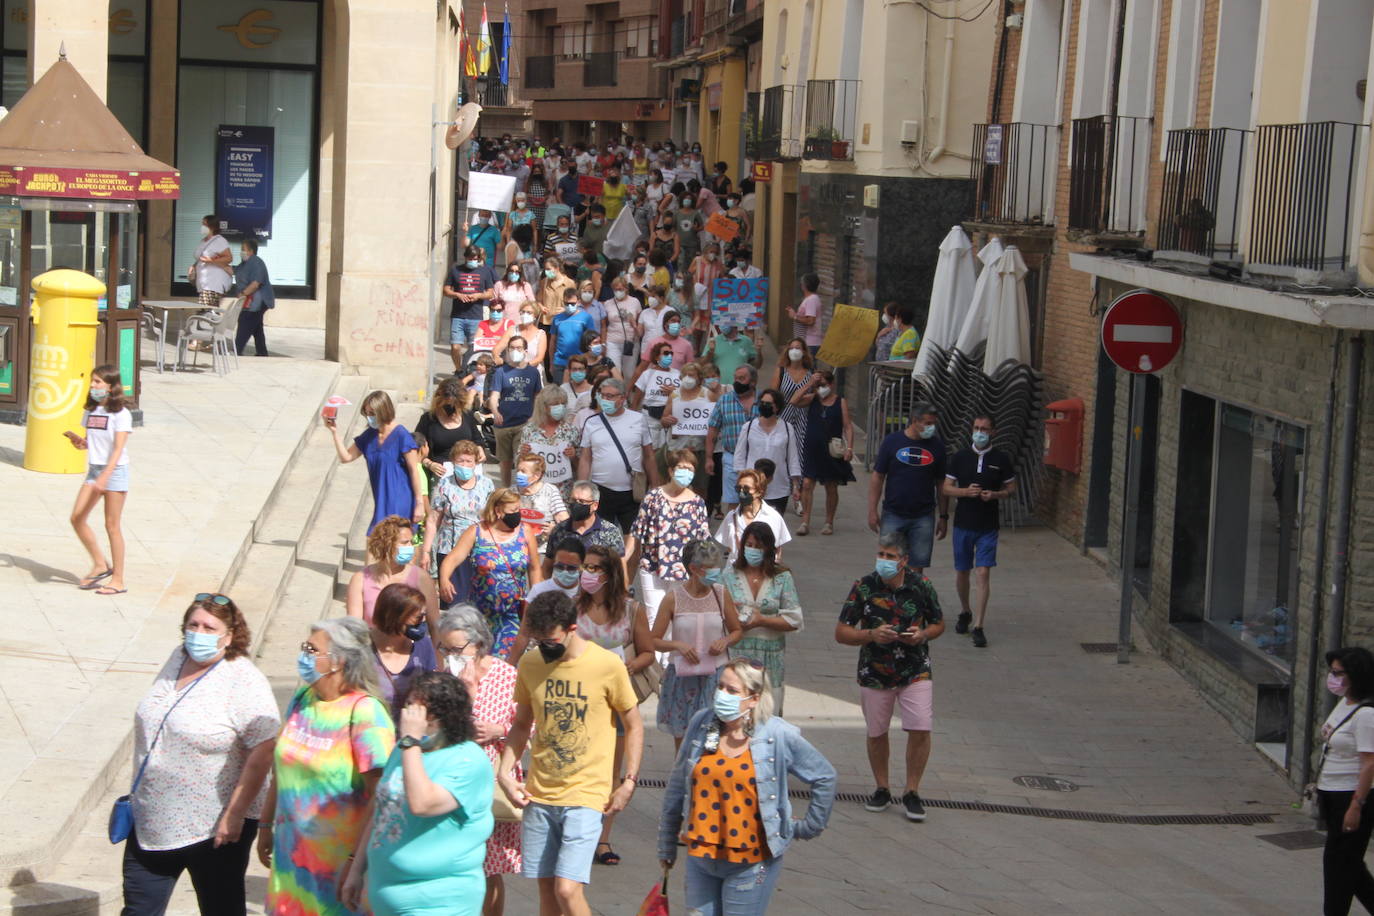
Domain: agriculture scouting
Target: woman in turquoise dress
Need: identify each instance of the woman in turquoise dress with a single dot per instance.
(393, 460)
(505, 564)
(766, 599)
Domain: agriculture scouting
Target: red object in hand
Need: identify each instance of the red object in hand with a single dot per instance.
(656, 903)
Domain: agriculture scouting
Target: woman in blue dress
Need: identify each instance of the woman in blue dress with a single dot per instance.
(393, 460)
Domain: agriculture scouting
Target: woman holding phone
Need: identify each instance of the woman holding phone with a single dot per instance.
(107, 422)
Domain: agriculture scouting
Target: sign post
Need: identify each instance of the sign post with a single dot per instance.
(1141, 333)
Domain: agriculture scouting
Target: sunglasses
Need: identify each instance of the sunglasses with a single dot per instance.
(221, 600)
(311, 650)
(751, 662)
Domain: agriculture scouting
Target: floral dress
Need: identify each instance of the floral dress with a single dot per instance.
(500, 579)
(663, 529)
(777, 597)
(495, 702)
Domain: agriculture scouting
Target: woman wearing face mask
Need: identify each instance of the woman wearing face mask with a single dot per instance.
(827, 419)
(703, 274)
(888, 329)
(664, 239)
(392, 559)
(674, 335)
(687, 223)
(595, 352)
(653, 384)
(505, 564)
(197, 802)
(655, 189)
(622, 325)
(766, 598)
(536, 341)
(209, 272)
(741, 219)
(551, 436)
(329, 757)
(591, 273)
(769, 436)
(720, 182)
(591, 306)
(537, 192)
(795, 368)
(393, 460)
(705, 626)
(483, 232)
(578, 386)
(735, 851)
(465, 652)
(108, 423)
(638, 276)
(455, 505)
(512, 292)
(541, 504)
(401, 647)
(1344, 777)
(670, 517)
(685, 421)
(751, 508)
(520, 215)
(554, 284)
(651, 317)
(448, 421)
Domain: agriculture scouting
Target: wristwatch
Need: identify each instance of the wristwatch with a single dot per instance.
(408, 742)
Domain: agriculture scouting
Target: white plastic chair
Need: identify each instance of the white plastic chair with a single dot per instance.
(216, 330)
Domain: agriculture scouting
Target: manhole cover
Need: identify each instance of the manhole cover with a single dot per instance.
(1048, 783)
(1298, 839)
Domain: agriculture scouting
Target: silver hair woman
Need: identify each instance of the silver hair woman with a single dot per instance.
(314, 814)
(464, 643)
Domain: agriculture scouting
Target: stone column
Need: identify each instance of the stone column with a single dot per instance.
(82, 26)
(378, 313)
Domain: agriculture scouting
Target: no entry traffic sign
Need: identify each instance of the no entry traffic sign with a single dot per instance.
(1142, 332)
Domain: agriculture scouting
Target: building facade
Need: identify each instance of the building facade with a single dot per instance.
(1215, 152)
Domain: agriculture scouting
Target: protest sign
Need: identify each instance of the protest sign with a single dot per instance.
(490, 192)
(739, 302)
(589, 185)
(849, 336)
(722, 227)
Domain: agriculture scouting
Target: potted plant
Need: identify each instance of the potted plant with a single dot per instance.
(820, 143)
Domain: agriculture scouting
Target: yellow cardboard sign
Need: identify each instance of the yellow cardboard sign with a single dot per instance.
(849, 337)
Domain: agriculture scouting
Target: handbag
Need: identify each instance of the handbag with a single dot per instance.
(502, 810)
(837, 448)
(638, 485)
(121, 822)
(647, 681)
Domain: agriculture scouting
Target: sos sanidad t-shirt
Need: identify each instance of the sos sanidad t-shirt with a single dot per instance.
(574, 734)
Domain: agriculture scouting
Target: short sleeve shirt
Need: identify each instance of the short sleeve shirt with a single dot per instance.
(731, 354)
(652, 382)
(813, 333)
(204, 745)
(458, 508)
(915, 469)
(991, 470)
(101, 428)
(870, 605)
(469, 282)
(608, 468)
(601, 534)
(515, 390)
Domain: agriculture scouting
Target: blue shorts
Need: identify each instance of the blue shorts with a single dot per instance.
(919, 534)
(974, 548)
(463, 331)
(559, 842)
(729, 483)
(119, 477)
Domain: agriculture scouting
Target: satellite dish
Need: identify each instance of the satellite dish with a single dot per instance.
(463, 125)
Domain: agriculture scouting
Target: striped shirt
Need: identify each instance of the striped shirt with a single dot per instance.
(729, 416)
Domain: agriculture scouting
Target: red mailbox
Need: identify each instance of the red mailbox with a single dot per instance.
(1064, 435)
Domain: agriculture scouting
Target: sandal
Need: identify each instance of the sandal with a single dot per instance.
(91, 583)
(828, 529)
(609, 857)
(803, 530)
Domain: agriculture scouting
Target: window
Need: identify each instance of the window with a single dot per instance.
(637, 36)
(570, 41)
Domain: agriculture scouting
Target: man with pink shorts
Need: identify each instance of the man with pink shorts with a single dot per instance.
(892, 614)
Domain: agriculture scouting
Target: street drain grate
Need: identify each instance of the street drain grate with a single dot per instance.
(1048, 783)
(1298, 839)
(1057, 814)
(1100, 648)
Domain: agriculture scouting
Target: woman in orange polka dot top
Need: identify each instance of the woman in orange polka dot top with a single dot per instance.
(727, 796)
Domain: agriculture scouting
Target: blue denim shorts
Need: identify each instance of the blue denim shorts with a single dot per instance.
(559, 842)
(974, 548)
(729, 482)
(119, 477)
(919, 534)
(463, 331)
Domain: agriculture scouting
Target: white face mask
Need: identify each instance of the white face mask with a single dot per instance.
(653, 302)
(586, 297)
(688, 383)
(526, 318)
(620, 294)
(823, 391)
(205, 232)
(794, 354)
(457, 664)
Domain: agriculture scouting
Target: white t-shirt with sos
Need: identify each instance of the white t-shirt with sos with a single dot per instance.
(100, 434)
(652, 381)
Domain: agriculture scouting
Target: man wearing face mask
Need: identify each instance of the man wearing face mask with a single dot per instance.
(567, 693)
(564, 563)
(980, 477)
(675, 336)
(892, 614)
(906, 485)
(616, 447)
(470, 284)
(733, 409)
(511, 402)
(561, 243)
(584, 524)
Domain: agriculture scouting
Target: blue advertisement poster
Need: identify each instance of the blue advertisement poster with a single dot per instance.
(243, 180)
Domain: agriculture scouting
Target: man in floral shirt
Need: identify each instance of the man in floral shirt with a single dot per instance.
(892, 614)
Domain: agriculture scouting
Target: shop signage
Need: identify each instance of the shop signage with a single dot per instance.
(1142, 331)
(739, 302)
(250, 30)
(762, 171)
(243, 179)
(89, 184)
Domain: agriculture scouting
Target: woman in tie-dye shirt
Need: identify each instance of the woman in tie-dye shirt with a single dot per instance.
(329, 757)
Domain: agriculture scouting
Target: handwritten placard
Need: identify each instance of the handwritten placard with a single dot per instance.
(739, 302)
(849, 336)
(490, 192)
(722, 227)
(589, 185)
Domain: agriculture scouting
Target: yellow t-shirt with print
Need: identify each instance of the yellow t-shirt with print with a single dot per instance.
(574, 736)
(613, 198)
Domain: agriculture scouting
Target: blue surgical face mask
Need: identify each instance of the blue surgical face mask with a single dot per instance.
(472, 265)
(711, 576)
(578, 375)
(201, 647)
(980, 438)
(99, 394)
(567, 578)
(522, 479)
(753, 556)
(305, 667)
(462, 473)
(372, 421)
(886, 568)
(674, 327)
(726, 706)
(598, 349)
(683, 477)
(928, 432)
(607, 405)
(405, 553)
(558, 411)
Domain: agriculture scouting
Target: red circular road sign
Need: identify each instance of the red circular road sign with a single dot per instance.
(1141, 331)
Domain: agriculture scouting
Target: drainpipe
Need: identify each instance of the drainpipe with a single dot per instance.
(939, 149)
(1345, 488)
(1319, 563)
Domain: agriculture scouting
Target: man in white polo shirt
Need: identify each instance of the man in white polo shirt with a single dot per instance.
(615, 447)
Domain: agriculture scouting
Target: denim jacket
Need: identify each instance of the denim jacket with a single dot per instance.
(778, 749)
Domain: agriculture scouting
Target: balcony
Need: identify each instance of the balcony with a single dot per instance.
(539, 72)
(1013, 169)
(1200, 203)
(832, 107)
(1305, 194)
(780, 123)
(1109, 169)
(599, 69)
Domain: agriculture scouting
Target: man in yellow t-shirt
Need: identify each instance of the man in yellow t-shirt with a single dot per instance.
(568, 692)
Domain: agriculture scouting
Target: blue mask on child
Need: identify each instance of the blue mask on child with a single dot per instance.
(578, 375)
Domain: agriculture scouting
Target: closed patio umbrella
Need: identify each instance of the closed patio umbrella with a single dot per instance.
(1008, 317)
(950, 296)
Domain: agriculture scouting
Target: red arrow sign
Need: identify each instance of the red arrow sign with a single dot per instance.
(1142, 331)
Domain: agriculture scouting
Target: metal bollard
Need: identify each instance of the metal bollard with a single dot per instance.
(65, 320)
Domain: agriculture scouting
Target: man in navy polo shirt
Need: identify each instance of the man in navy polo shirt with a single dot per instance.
(907, 479)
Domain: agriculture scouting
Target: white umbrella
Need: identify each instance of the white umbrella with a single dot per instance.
(1008, 318)
(950, 296)
(975, 328)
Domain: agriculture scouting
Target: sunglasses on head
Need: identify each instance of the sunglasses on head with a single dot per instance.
(751, 662)
(221, 600)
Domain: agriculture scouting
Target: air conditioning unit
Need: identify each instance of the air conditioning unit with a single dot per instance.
(911, 133)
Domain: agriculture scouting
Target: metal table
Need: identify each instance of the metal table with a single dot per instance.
(167, 307)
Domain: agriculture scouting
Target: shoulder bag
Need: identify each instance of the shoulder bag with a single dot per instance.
(645, 682)
(1309, 792)
(637, 482)
(121, 822)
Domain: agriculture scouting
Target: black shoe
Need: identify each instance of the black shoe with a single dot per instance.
(879, 800)
(961, 625)
(979, 639)
(915, 811)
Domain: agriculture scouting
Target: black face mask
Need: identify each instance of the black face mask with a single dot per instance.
(450, 409)
(745, 497)
(766, 409)
(742, 388)
(511, 520)
(416, 632)
(551, 652)
(579, 512)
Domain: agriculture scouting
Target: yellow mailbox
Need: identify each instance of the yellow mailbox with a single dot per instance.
(65, 320)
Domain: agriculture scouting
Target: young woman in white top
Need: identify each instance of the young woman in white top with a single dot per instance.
(751, 508)
(769, 436)
(622, 327)
(1344, 779)
(651, 318)
(108, 423)
(652, 387)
